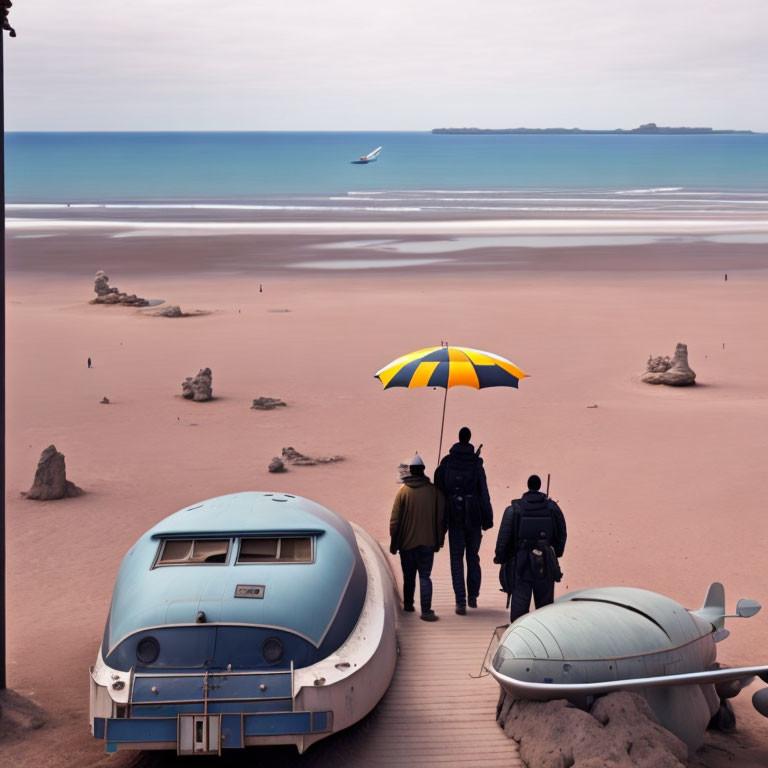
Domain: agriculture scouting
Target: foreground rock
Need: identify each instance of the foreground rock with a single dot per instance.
(276, 465)
(620, 731)
(199, 388)
(292, 456)
(51, 478)
(267, 403)
(109, 294)
(674, 373)
(18, 715)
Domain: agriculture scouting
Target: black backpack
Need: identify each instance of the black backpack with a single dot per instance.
(534, 535)
(460, 481)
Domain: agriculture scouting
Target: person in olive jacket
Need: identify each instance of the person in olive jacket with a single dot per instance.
(531, 538)
(416, 530)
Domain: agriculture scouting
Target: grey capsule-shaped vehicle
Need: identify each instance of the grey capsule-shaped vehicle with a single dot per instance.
(595, 641)
(248, 619)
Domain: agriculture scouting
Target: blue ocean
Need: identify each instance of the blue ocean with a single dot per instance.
(417, 173)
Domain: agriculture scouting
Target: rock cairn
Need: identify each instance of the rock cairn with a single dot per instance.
(620, 730)
(51, 478)
(267, 403)
(109, 294)
(292, 456)
(675, 372)
(199, 388)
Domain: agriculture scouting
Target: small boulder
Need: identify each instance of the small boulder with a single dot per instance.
(104, 400)
(292, 456)
(267, 403)
(51, 478)
(276, 465)
(674, 373)
(172, 310)
(199, 388)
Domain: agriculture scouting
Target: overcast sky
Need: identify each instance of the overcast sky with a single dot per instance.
(386, 65)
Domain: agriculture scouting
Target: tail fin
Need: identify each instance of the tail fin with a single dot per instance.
(713, 609)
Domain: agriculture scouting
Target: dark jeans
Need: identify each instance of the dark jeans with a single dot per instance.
(543, 594)
(418, 559)
(461, 541)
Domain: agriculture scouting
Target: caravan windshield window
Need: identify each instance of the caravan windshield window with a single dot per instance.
(193, 551)
(294, 549)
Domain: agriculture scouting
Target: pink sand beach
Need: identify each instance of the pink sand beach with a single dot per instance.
(662, 488)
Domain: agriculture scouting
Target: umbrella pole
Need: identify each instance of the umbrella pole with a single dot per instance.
(442, 425)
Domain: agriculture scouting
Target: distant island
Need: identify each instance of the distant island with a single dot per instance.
(648, 128)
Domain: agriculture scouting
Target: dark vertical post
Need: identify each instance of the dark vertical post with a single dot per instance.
(2, 371)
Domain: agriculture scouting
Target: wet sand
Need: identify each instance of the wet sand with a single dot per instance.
(662, 488)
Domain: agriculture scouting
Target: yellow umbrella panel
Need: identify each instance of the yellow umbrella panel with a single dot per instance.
(450, 367)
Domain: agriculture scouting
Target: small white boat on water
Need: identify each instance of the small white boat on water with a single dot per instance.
(248, 619)
(369, 158)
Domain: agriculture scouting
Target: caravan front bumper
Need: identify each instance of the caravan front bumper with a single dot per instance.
(201, 734)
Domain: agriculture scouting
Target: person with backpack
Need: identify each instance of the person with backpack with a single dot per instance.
(416, 531)
(461, 478)
(531, 538)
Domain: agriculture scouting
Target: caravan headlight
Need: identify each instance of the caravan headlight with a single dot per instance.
(147, 650)
(272, 650)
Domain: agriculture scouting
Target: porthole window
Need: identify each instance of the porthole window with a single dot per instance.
(147, 650)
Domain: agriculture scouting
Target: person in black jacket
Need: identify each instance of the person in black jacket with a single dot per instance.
(531, 537)
(461, 478)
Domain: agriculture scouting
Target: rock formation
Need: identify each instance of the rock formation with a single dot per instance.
(267, 403)
(292, 456)
(51, 478)
(276, 465)
(200, 387)
(675, 372)
(172, 310)
(620, 731)
(108, 294)
(19, 714)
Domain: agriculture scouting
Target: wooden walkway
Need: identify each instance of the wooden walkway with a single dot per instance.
(434, 713)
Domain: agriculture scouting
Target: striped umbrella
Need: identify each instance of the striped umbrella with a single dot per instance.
(450, 367)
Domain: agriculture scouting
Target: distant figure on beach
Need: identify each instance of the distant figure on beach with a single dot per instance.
(531, 539)
(417, 532)
(259, 287)
(726, 277)
(89, 362)
(461, 477)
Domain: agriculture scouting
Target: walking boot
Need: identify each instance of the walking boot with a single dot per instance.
(472, 602)
(428, 615)
(408, 608)
(461, 609)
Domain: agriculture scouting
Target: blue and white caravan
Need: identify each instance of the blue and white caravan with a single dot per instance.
(252, 618)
